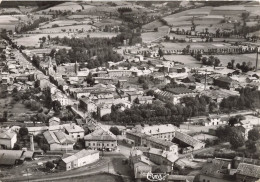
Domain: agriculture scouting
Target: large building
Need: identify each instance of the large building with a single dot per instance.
(59, 140)
(75, 131)
(101, 139)
(79, 159)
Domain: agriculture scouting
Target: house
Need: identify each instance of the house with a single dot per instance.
(237, 160)
(14, 157)
(144, 100)
(224, 82)
(189, 79)
(79, 159)
(248, 172)
(213, 120)
(162, 144)
(73, 130)
(54, 121)
(141, 165)
(245, 126)
(185, 141)
(133, 95)
(101, 139)
(165, 159)
(59, 140)
(7, 139)
(62, 98)
(216, 171)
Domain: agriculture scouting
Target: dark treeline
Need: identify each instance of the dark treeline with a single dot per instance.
(93, 51)
(33, 26)
(249, 99)
(161, 113)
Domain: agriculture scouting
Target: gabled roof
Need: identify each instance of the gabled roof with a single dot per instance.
(100, 135)
(249, 170)
(9, 157)
(58, 137)
(72, 128)
(187, 139)
(6, 134)
(79, 155)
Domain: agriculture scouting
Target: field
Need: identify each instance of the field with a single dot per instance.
(33, 39)
(98, 34)
(187, 60)
(108, 22)
(152, 25)
(67, 6)
(60, 23)
(239, 58)
(152, 36)
(72, 28)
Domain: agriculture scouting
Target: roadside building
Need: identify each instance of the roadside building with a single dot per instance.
(59, 140)
(73, 130)
(186, 142)
(14, 157)
(248, 172)
(101, 139)
(7, 139)
(144, 100)
(54, 121)
(79, 159)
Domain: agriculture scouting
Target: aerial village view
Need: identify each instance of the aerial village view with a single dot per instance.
(130, 91)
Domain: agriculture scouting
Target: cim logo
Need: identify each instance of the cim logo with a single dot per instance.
(156, 176)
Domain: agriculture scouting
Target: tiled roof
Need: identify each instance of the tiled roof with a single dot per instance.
(161, 141)
(187, 139)
(6, 134)
(100, 135)
(8, 157)
(79, 155)
(72, 128)
(156, 129)
(249, 170)
(57, 137)
(179, 90)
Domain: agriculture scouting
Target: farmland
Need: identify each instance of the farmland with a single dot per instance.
(187, 60)
(67, 6)
(60, 23)
(72, 28)
(240, 58)
(152, 36)
(32, 40)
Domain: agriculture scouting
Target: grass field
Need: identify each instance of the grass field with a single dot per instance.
(60, 23)
(67, 6)
(239, 58)
(72, 28)
(187, 60)
(151, 36)
(98, 34)
(33, 39)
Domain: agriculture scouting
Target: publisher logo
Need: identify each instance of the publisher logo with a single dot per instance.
(156, 176)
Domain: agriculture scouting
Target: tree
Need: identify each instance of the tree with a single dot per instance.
(49, 165)
(23, 131)
(254, 134)
(250, 145)
(17, 147)
(160, 52)
(145, 86)
(56, 105)
(114, 130)
(236, 138)
(45, 147)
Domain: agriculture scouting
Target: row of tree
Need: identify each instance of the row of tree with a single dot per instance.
(162, 113)
(249, 99)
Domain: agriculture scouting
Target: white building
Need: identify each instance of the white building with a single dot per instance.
(7, 139)
(79, 159)
(74, 131)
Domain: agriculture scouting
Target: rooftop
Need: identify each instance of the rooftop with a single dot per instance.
(100, 135)
(73, 128)
(187, 139)
(249, 170)
(156, 129)
(79, 155)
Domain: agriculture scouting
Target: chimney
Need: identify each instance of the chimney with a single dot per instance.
(256, 62)
(205, 86)
(31, 143)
